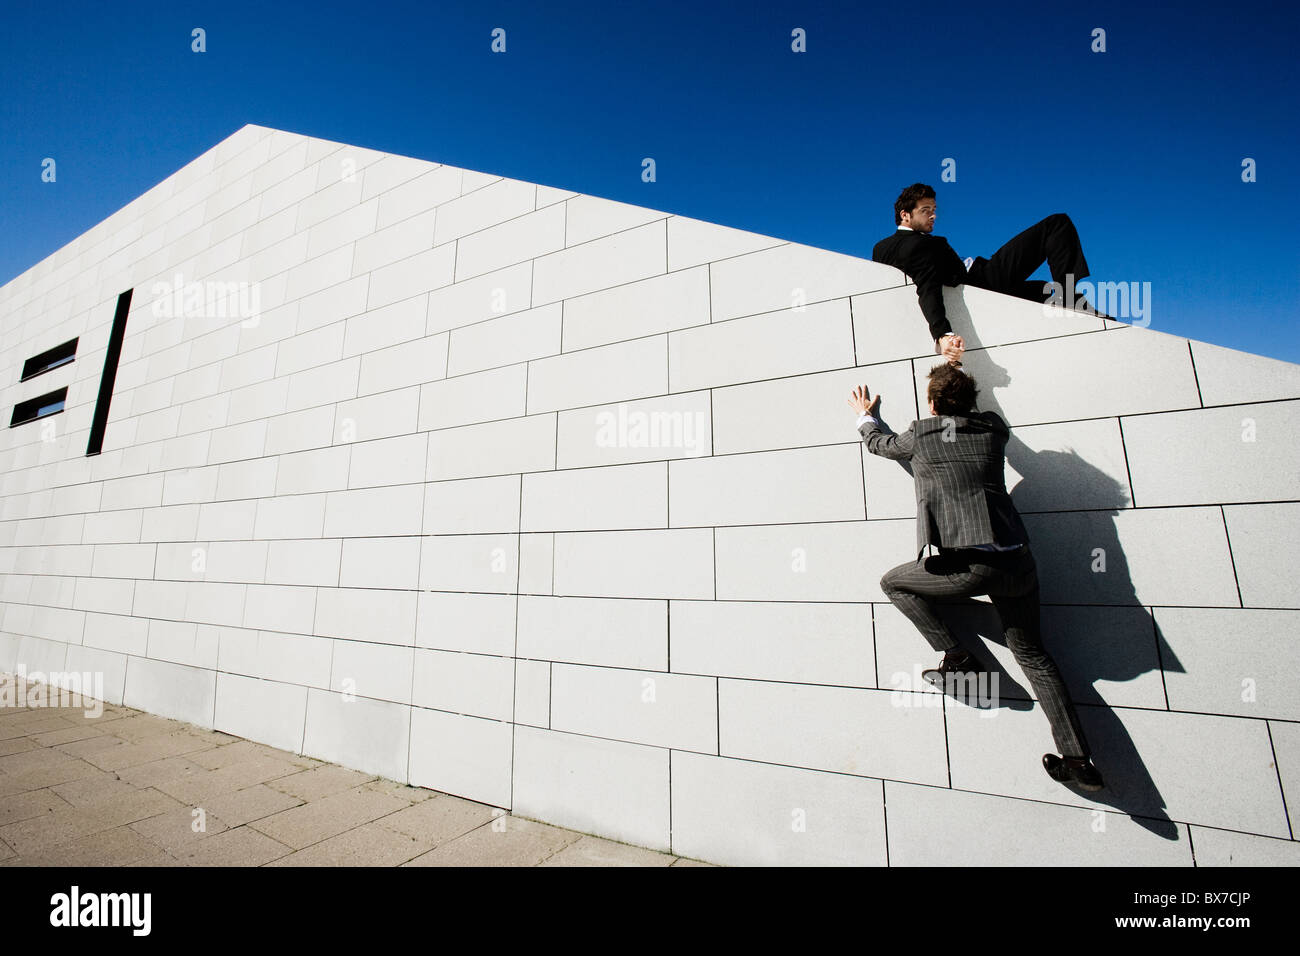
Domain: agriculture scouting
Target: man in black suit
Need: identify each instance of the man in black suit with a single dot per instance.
(930, 262)
(963, 509)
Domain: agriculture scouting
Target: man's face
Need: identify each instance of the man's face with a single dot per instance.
(922, 217)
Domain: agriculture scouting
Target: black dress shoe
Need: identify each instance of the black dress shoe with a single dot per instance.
(954, 664)
(1072, 771)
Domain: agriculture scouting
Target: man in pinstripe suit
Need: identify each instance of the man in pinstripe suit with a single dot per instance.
(964, 511)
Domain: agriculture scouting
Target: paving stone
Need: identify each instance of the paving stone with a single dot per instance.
(322, 782)
(366, 845)
(25, 806)
(241, 750)
(22, 725)
(38, 759)
(91, 745)
(46, 777)
(238, 846)
(253, 803)
(519, 843)
(35, 836)
(151, 748)
(322, 819)
(133, 806)
(439, 819)
(593, 851)
(159, 771)
(66, 735)
(140, 726)
(16, 745)
(201, 786)
(174, 830)
(402, 791)
(120, 846)
(93, 788)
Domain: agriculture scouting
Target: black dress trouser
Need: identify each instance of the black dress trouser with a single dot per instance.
(1053, 239)
(1010, 579)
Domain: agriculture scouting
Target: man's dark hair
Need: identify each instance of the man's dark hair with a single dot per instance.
(908, 198)
(952, 390)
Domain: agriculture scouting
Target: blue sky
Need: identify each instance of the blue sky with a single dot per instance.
(1142, 145)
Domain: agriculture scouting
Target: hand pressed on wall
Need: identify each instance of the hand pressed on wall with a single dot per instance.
(861, 401)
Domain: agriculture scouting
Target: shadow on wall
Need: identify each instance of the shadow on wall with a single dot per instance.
(1112, 638)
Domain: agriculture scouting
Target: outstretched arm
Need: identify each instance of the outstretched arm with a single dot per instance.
(879, 442)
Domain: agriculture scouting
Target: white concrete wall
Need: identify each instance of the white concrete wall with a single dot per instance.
(397, 483)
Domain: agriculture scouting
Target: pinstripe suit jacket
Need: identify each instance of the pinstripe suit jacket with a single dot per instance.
(961, 492)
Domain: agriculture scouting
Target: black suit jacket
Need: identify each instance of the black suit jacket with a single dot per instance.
(961, 491)
(931, 263)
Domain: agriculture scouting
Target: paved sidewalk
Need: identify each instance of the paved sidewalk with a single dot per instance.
(131, 789)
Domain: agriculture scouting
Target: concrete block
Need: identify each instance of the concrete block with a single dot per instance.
(380, 563)
(836, 561)
(375, 671)
(651, 306)
(365, 614)
(646, 564)
(647, 707)
(477, 397)
(473, 684)
(801, 485)
(1230, 377)
(459, 621)
(368, 735)
(469, 562)
(531, 334)
(841, 729)
(487, 296)
(518, 240)
(1155, 764)
(789, 342)
(1228, 848)
(472, 506)
(1230, 661)
(532, 693)
(787, 275)
(653, 429)
(592, 499)
(767, 640)
(614, 632)
(1151, 556)
(466, 756)
(268, 712)
(1214, 455)
(503, 200)
(1259, 534)
(609, 788)
(1127, 371)
(512, 446)
(600, 264)
(741, 813)
(590, 217)
(802, 410)
(170, 690)
(620, 372)
(930, 826)
(692, 242)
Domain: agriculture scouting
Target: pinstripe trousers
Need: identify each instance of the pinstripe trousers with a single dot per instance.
(1010, 579)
